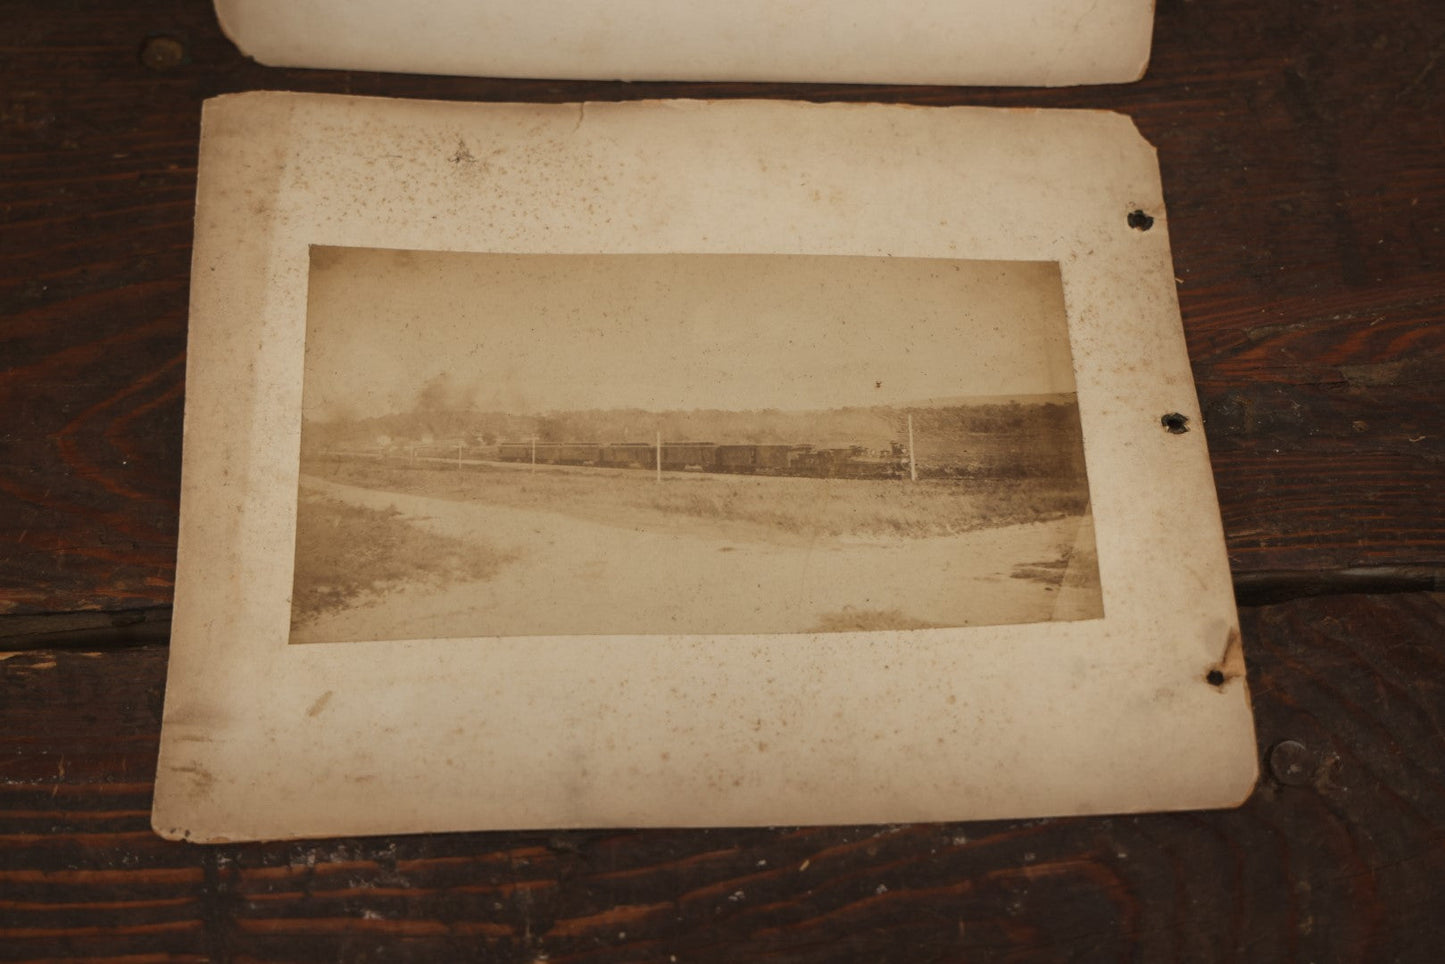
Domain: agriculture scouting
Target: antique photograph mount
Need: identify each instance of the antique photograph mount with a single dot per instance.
(688, 464)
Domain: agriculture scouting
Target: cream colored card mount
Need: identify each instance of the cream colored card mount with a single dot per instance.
(688, 464)
(1036, 43)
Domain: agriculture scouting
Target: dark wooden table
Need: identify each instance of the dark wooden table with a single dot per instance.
(1303, 152)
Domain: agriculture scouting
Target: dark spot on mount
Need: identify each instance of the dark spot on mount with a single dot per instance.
(1140, 221)
(463, 154)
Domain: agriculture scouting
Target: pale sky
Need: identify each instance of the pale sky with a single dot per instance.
(527, 334)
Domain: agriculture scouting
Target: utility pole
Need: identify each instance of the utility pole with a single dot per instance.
(912, 465)
(459, 455)
(659, 456)
(534, 453)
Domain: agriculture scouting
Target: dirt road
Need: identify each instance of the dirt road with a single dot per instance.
(579, 577)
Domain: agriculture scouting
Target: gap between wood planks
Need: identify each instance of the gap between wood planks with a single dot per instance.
(149, 626)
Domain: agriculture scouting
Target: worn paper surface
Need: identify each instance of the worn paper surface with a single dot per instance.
(264, 738)
(975, 42)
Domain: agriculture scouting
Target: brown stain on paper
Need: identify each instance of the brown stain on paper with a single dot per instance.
(320, 704)
(1231, 662)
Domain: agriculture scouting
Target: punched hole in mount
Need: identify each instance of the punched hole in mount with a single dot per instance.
(1214, 677)
(1140, 221)
(1174, 423)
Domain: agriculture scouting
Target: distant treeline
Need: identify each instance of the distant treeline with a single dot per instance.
(1010, 439)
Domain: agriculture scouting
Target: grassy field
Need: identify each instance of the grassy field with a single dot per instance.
(346, 554)
(802, 507)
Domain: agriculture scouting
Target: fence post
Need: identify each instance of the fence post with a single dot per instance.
(912, 465)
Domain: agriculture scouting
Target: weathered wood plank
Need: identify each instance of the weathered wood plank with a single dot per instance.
(1302, 160)
(1336, 857)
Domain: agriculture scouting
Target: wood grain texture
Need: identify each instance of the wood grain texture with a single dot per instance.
(1304, 164)
(1339, 862)
(1302, 157)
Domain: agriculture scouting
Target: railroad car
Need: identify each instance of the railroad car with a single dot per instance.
(569, 453)
(689, 455)
(750, 459)
(773, 459)
(629, 455)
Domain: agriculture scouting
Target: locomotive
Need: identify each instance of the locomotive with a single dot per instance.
(855, 461)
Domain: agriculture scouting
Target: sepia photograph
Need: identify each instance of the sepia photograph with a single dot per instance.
(647, 444)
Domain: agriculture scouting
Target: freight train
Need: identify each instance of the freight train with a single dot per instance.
(854, 461)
